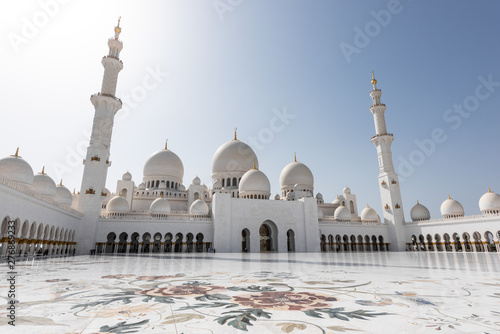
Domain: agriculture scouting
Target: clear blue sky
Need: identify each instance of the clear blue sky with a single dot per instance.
(233, 68)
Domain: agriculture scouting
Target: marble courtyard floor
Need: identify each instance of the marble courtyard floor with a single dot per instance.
(257, 293)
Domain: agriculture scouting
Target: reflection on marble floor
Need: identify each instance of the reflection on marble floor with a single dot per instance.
(258, 293)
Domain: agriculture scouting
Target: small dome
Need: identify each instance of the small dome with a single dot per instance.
(342, 214)
(44, 185)
(489, 202)
(142, 186)
(160, 206)
(107, 192)
(255, 181)
(296, 173)
(163, 185)
(117, 204)
(347, 190)
(199, 208)
(451, 208)
(217, 184)
(63, 195)
(419, 212)
(127, 176)
(277, 197)
(16, 169)
(320, 214)
(182, 187)
(196, 181)
(336, 201)
(164, 164)
(369, 215)
(234, 156)
(319, 196)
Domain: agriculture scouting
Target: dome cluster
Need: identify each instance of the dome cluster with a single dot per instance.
(15, 169)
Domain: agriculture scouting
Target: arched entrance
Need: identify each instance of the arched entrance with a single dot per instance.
(290, 236)
(245, 241)
(122, 245)
(268, 237)
(110, 244)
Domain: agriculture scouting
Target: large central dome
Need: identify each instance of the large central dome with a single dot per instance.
(234, 156)
(296, 173)
(164, 163)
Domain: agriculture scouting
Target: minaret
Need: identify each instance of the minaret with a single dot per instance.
(390, 192)
(97, 160)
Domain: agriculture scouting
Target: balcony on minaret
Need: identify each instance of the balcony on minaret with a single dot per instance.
(107, 95)
(383, 134)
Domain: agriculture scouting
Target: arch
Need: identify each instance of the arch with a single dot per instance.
(24, 229)
(421, 240)
(429, 243)
(447, 242)
(381, 243)
(196, 195)
(338, 242)
(157, 242)
(353, 243)
(439, 247)
(323, 243)
(228, 182)
(345, 240)
(223, 182)
(268, 237)
(330, 243)
(189, 242)
(167, 246)
(134, 243)
(168, 184)
(456, 240)
(245, 240)
(199, 243)
(374, 243)
(110, 243)
(290, 240)
(124, 192)
(367, 243)
(178, 242)
(122, 242)
(146, 242)
(235, 182)
(467, 244)
(490, 241)
(4, 226)
(351, 204)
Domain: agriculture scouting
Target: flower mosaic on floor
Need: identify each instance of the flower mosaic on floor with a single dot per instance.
(234, 293)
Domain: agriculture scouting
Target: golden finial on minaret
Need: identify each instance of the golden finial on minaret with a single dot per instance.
(417, 202)
(295, 156)
(74, 191)
(489, 190)
(118, 29)
(16, 154)
(60, 183)
(235, 137)
(374, 81)
(161, 194)
(166, 144)
(43, 170)
(449, 197)
(254, 165)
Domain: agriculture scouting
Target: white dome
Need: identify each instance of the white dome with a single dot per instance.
(162, 164)
(277, 197)
(319, 196)
(196, 181)
(234, 156)
(199, 208)
(336, 201)
(117, 204)
(217, 184)
(16, 169)
(127, 176)
(346, 190)
(369, 215)
(296, 173)
(489, 202)
(107, 192)
(342, 213)
(44, 185)
(419, 212)
(451, 208)
(255, 181)
(142, 186)
(160, 206)
(182, 187)
(63, 195)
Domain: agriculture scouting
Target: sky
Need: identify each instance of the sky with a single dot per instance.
(292, 76)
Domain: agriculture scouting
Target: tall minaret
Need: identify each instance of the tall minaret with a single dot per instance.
(390, 192)
(97, 161)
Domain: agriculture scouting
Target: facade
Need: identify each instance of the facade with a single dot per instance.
(237, 213)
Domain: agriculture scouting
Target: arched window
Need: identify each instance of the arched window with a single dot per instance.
(157, 183)
(228, 182)
(168, 184)
(223, 181)
(351, 203)
(235, 183)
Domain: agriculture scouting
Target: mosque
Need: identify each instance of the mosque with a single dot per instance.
(237, 213)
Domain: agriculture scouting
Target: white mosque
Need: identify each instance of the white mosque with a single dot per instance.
(237, 213)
